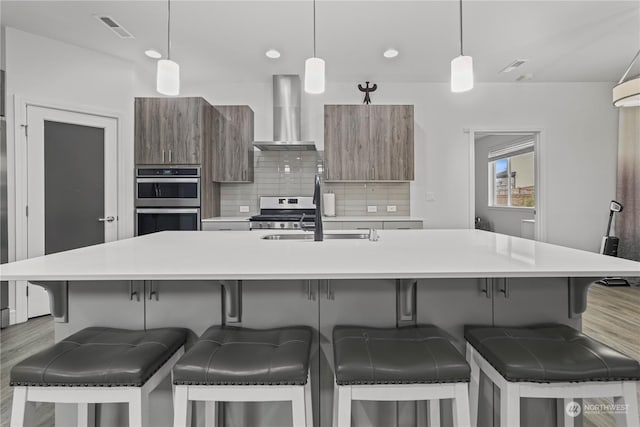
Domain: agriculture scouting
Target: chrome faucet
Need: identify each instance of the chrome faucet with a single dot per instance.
(317, 197)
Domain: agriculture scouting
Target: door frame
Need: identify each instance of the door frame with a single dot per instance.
(540, 180)
(18, 173)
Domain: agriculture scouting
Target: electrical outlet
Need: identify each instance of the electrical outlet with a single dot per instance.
(431, 197)
(372, 209)
(391, 208)
(244, 209)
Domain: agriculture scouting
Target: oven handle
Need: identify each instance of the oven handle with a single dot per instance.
(165, 211)
(165, 180)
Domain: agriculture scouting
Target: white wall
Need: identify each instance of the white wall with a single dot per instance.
(44, 70)
(579, 140)
(578, 123)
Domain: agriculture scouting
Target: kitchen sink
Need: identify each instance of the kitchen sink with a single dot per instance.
(309, 236)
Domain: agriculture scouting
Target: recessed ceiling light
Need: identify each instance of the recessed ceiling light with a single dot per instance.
(390, 53)
(152, 53)
(515, 64)
(272, 53)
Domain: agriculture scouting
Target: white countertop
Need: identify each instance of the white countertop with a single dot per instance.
(324, 218)
(232, 255)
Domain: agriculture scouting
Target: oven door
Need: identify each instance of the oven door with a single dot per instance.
(151, 220)
(168, 192)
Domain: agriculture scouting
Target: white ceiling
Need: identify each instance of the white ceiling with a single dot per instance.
(587, 41)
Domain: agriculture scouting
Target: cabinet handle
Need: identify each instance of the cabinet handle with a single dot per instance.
(505, 288)
(170, 156)
(133, 293)
(309, 291)
(163, 161)
(152, 292)
(330, 295)
(487, 285)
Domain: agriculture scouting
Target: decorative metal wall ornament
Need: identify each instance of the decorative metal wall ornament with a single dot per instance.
(367, 90)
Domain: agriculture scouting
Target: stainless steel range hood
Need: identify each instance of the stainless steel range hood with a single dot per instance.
(286, 116)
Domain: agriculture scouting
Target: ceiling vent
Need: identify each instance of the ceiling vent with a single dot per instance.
(114, 26)
(515, 64)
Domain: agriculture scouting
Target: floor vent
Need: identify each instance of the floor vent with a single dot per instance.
(115, 27)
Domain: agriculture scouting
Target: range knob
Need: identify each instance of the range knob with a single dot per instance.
(282, 225)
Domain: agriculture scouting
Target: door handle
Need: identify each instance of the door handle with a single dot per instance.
(107, 219)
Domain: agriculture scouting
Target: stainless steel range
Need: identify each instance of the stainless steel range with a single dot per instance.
(284, 212)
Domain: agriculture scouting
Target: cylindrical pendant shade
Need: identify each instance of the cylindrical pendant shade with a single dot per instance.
(314, 75)
(168, 82)
(627, 94)
(461, 74)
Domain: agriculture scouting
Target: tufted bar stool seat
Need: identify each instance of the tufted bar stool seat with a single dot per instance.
(549, 361)
(98, 365)
(396, 364)
(234, 364)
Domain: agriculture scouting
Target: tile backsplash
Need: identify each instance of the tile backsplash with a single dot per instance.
(291, 173)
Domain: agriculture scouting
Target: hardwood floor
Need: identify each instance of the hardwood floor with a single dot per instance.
(612, 316)
(16, 343)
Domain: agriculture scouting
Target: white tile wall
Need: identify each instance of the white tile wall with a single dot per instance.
(291, 173)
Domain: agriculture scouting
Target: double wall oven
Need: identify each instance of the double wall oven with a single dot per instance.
(167, 198)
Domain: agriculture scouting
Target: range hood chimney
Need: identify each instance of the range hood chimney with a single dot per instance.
(286, 116)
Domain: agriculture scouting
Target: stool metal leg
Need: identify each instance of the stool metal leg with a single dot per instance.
(474, 385)
(180, 404)
(210, 413)
(510, 405)
(19, 406)
(461, 416)
(298, 406)
(434, 413)
(629, 398)
(344, 406)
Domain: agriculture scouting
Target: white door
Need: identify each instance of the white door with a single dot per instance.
(71, 186)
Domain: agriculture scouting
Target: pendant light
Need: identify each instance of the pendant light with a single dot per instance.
(627, 93)
(168, 74)
(314, 67)
(461, 68)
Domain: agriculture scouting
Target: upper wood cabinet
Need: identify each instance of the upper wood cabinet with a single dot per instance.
(368, 142)
(170, 130)
(232, 143)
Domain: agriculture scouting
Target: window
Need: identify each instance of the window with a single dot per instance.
(512, 176)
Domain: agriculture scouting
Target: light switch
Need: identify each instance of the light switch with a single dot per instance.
(391, 208)
(372, 209)
(244, 209)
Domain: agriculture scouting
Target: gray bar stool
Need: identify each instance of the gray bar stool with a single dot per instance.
(98, 365)
(232, 364)
(550, 361)
(396, 364)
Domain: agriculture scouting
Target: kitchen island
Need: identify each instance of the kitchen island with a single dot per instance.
(196, 279)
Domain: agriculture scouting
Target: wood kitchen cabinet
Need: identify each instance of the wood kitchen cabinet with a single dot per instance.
(232, 143)
(369, 143)
(170, 131)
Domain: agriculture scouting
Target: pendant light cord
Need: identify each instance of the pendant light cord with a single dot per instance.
(314, 28)
(168, 29)
(461, 54)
